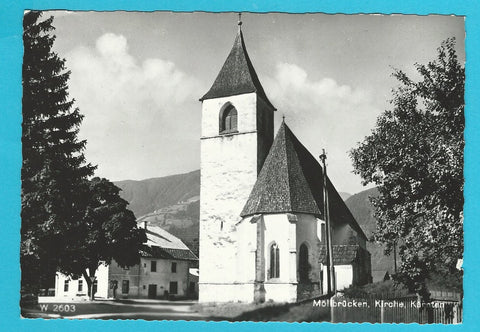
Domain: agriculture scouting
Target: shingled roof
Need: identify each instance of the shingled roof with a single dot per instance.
(281, 185)
(167, 253)
(342, 254)
(163, 245)
(291, 181)
(237, 75)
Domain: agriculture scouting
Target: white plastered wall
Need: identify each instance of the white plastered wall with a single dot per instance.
(228, 173)
(279, 230)
(73, 293)
(307, 232)
(343, 276)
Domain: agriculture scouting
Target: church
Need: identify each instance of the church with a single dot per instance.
(262, 223)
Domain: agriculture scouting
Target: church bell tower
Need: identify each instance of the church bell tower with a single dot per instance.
(236, 136)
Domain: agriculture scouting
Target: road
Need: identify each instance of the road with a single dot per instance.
(125, 309)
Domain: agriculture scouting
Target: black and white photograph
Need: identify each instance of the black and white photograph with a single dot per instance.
(241, 166)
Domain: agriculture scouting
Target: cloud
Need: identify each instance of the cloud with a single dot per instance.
(324, 114)
(139, 116)
(142, 118)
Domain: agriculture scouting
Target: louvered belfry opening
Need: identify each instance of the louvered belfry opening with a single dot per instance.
(228, 120)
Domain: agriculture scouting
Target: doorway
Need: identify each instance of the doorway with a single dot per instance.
(173, 288)
(152, 291)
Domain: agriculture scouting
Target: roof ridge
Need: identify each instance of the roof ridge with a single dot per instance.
(284, 147)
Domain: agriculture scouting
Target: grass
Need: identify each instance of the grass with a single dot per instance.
(266, 312)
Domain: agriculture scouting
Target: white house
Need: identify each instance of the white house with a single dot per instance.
(262, 228)
(166, 269)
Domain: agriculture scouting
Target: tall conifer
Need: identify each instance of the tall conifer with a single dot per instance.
(53, 165)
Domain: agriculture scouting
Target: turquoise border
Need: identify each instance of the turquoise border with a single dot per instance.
(11, 13)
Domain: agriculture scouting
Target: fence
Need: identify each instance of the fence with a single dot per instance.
(394, 309)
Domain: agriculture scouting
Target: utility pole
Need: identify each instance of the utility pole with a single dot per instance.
(331, 285)
(395, 256)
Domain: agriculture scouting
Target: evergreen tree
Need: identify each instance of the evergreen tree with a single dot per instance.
(53, 165)
(415, 157)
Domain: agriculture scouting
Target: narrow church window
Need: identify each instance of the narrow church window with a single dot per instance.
(80, 285)
(323, 232)
(274, 261)
(228, 119)
(65, 286)
(303, 264)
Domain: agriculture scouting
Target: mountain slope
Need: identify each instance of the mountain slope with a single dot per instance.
(173, 203)
(344, 195)
(361, 208)
(146, 196)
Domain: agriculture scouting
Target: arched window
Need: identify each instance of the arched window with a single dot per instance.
(228, 119)
(303, 264)
(274, 261)
(323, 231)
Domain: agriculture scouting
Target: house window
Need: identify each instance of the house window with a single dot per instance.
(153, 267)
(228, 119)
(95, 287)
(125, 286)
(173, 287)
(174, 267)
(65, 286)
(274, 261)
(303, 264)
(80, 285)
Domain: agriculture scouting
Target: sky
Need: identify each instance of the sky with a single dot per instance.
(138, 76)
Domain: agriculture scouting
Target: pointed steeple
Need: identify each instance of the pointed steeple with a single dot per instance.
(237, 75)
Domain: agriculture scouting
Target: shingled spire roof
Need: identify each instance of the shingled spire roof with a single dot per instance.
(282, 185)
(237, 75)
(291, 181)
